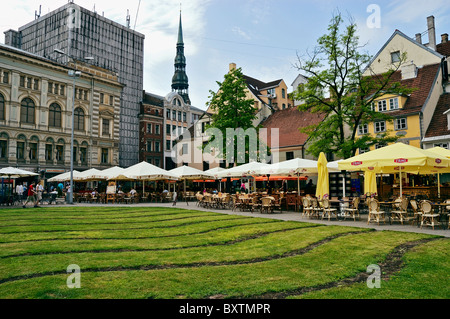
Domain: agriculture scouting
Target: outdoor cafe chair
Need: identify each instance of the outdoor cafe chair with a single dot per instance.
(374, 212)
(328, 211)
(236, 203)
(255, 204)
(316, 209)
(402, 212)
(291, 200)
(307, 207)
(429, 218)
(417, 215)
(266, 204)
(352, 211)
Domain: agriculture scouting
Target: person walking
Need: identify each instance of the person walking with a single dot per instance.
(31, 195)
(39, 192)
(174, 197)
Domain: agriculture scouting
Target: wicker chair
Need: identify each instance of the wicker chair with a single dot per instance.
(352, 211)
(401, 214)
(255, 204)
(266, 205)
(328, 211)
(428, 217)
(374, 212)
(316, 209)
(307, 207)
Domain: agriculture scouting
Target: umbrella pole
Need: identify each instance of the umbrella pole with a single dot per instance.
(298, 184)
(439, 185)
(401, 188)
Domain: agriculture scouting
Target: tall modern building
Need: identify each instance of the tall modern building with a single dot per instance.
(81, 33)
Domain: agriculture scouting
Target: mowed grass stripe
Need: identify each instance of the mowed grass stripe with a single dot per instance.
(339, 258)
(173, 228)
(43, 215)
(267, 246)
(87, 221)
(218, 233)
(81, 226)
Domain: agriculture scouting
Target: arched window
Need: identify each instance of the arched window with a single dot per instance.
(20, 149)
(2, 108)
(27, 110)
(60, 151)
(33, 146)
(49, 149)
(4, 146)
(283, 93)
(54, 115)
(79, 119)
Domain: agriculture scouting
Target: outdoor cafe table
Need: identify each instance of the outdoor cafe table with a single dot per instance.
(388, 205)
(443, 216)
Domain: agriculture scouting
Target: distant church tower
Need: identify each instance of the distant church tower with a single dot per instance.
(180, 83)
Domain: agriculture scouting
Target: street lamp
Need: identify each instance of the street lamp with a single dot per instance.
(73, 74)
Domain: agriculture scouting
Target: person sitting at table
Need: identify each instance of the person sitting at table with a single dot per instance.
(132, 192)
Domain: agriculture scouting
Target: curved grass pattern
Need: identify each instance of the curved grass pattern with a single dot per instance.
(208, 256)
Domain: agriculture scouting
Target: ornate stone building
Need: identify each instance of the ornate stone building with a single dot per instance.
(36, 100)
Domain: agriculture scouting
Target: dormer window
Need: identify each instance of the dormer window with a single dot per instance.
(393, 104)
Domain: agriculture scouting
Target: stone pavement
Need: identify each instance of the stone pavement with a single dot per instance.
(294, 216)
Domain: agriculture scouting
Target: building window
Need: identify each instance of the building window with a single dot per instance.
(157, 130)
(168, 114)
(105, 157)
(3, 149)
(284, 106)
(48, 152)
(443, 145)
(111, 100)
(60, 153)
(168, 145)
(283, 93)
(149, 128)
(364, 150)
(179, 116)
(157, 162)
(395, 56)
(54, 115)
(149, 146)
(157, 147)
(393, 104)
(2, 108)
(400, 124)
(83, 155)
(382, 106)
(5, 78)
(184, 117)
(184, 149)
(289, 156)
(33, 151)
(174, 115)
(380, 127)
(27, 111)
(105, 127)
(79, 119)
(102, 98)
(20, 152)
(167, 129)
(363, 129)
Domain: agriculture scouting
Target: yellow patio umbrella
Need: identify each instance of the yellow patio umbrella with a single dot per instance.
(323, 186)
(396, 158)
(442, 152)
(370, 182)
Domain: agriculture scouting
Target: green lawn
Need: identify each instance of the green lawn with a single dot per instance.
(131, 252)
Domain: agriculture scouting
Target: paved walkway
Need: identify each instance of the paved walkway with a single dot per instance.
(288, 216)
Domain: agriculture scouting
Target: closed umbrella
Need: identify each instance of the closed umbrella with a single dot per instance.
(323, 186)
(370, 182)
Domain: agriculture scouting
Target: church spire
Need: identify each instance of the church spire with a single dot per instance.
(180, 83)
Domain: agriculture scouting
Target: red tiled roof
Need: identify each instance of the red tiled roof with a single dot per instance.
(422, 83)
(289, 121)
(439, 123)
(443, 48)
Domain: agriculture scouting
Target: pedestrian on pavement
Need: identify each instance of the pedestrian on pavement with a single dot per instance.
(31, 195)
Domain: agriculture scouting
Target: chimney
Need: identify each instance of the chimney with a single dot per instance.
(419, 38)
(431, 33)
(409, 71)
(444, 38)
(232, 66)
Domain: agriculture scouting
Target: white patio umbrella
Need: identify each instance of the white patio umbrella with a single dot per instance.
(12, 172)
(64, 177)
(110, 172)
(89, 175)
(143, 172)
(243, 170)
(215, 171)
(189, 173)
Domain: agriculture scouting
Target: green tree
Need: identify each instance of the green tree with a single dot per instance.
(338, 89)
(232, 109)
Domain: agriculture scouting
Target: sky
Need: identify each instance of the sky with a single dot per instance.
(263, 37)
